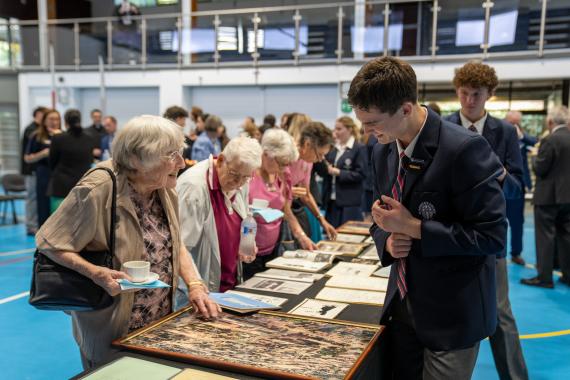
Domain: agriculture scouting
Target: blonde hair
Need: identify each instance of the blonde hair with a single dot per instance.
(349, 124)
(279, 144)
(143, 140)
(297, 122)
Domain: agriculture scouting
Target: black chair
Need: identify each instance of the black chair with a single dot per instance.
(14, 186)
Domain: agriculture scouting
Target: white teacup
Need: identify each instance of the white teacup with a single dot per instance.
(260, 203)
(138, 270)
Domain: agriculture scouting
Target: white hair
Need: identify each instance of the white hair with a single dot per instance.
(245, 151)
(143, 140)
(279, 144)
(559, 115)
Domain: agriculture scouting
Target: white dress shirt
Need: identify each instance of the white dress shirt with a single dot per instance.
(479, 124)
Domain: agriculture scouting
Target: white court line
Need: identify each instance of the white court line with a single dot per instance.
(13, 298)
(19, 252)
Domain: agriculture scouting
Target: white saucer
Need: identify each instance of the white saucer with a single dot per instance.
(152, 277)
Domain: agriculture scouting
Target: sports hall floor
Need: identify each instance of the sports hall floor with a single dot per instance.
(39, 345)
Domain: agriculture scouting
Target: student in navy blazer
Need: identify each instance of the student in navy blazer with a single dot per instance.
(343, 174)
(444, 230)
(475, 83)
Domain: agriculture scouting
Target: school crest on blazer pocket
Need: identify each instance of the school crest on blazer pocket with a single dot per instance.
(427, 210)
(347, 164)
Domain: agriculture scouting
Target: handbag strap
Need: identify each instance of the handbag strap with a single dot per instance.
(109, 260)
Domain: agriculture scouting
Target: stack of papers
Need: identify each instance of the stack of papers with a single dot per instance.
(240, 303)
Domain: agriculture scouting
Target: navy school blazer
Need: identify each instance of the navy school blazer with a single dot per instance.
(350, 183)
(504, 141)
(451, 271)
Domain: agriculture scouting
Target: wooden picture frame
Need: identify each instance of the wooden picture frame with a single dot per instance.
(263, 344)
(355, 227)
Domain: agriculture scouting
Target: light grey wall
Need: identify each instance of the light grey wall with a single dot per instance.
(234, 103)
(123, 103)
(9, 86)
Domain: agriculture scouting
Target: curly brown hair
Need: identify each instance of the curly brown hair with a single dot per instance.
(476, 74)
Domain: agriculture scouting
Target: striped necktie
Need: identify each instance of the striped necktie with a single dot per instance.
(472, 128)
(397, 190)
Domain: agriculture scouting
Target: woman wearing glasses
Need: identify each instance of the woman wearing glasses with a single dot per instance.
(314, 141)
(146, 160)
(213, 200)
(270, 185)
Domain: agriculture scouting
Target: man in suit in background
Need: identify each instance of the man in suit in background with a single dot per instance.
(110, 125)
(28, 172)
(515, 207)
(475, 83)
(96, 131)
(439, 218)
(552, 200)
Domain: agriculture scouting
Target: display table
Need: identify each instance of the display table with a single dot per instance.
(368, 368)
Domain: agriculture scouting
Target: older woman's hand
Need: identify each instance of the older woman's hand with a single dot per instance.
(202, 303)
(107, 279)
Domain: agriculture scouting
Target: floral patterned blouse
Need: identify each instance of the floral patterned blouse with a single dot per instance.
(153, 304)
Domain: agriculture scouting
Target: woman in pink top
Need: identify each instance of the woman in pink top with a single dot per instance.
(271, 183)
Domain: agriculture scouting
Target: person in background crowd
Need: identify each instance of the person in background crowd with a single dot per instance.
(37, 154)
(207, 143)
(313, 141)
(146, 159)
(439, 219)
(96, 131)
(213, 201)
(435, 107)
(179, 115)
(515, 207)
(475, 83)
(223, 136)
(250, 129)
(369, 141)
(283, 121)
(269, 120)
(344, 174)
(30, 175)
(70, 157)
(295, 122)
(110, 125)
(268, 123)
(198, 117)
(552, 200)
(269, 184)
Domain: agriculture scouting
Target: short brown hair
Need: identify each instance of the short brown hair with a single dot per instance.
(317, 133)
(384, 83)
(476, 74)
(195, 112)
(174, 112)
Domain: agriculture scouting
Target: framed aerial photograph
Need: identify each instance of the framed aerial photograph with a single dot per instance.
(340, 248)
(266, 344)
(355, 227)
(350, 238)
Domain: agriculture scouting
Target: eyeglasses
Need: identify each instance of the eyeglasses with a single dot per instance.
(238, 176)
(172, 157)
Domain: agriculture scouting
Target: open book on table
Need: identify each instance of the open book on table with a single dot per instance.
(304, 261)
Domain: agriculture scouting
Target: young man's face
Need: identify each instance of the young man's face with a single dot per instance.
(473, 101)
(384, 126)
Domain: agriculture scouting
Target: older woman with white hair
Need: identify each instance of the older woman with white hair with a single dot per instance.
(147, 155)
(271, 186)
(213, 197)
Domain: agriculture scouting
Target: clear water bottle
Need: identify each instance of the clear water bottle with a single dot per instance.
(247, 239)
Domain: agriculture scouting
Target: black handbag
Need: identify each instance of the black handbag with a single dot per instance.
(56, 287)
